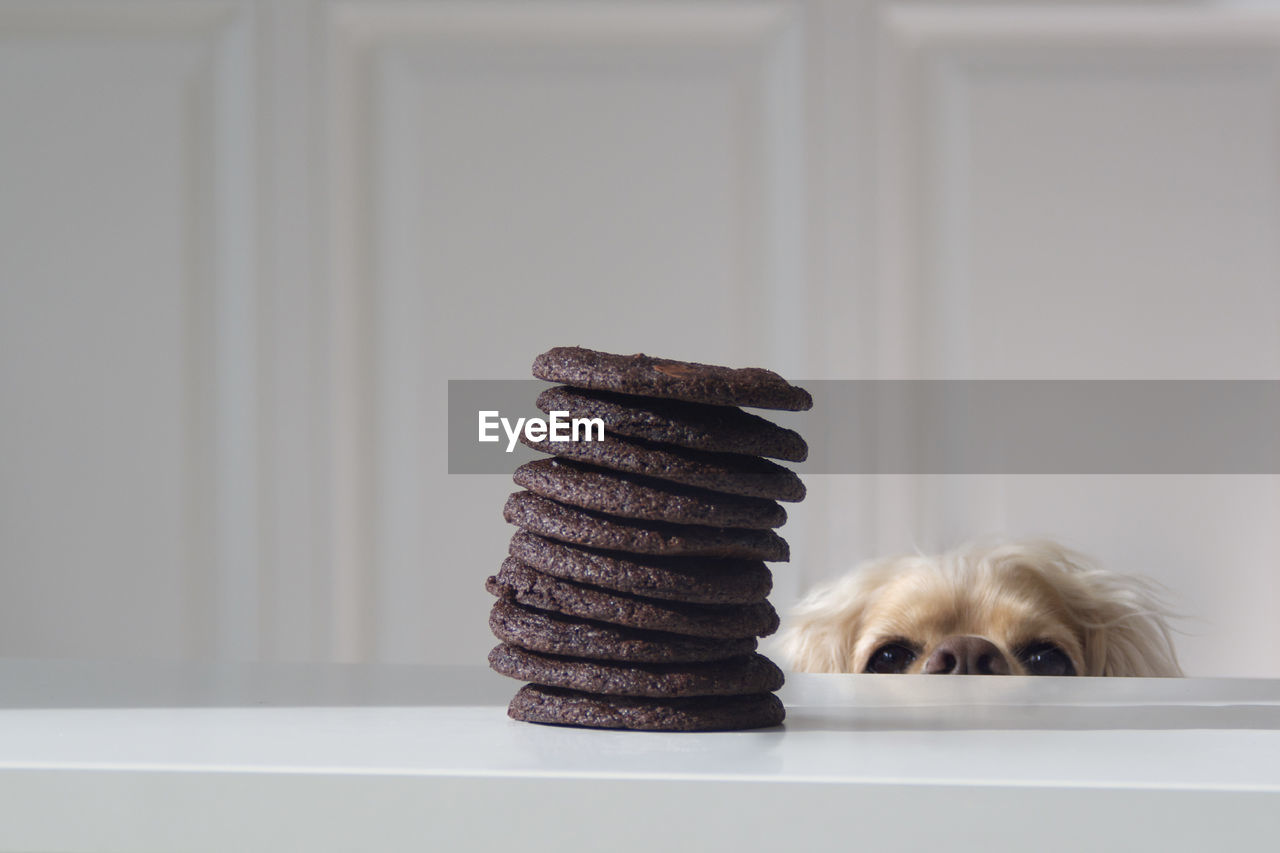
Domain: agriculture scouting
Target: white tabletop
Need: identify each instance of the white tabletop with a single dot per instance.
(323, 756)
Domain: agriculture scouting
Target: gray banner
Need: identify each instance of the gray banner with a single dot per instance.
(966, 427)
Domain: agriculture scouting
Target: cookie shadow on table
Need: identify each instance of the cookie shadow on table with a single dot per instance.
(802, 719)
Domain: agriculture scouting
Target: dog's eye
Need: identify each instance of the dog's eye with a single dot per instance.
(1045, 658)
(890, 658)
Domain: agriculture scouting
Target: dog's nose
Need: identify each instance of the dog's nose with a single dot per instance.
(966, 656)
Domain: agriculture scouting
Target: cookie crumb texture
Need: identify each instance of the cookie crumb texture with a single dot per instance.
(555, 520)
(735, 676)
(697, 426)
(727, 473)
(525, 585)
(646, 498)
(557, 706)
(693, 579)
(570, 636)
(636, 587)
(644, 375)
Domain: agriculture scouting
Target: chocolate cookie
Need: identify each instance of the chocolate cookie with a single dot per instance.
(748, 674)
(558, 706)
(552, 634)
(632, 496)
(692, 579)
(517, 582)
(675, 380)
(725, 429)
(583, 527)
(731, 473)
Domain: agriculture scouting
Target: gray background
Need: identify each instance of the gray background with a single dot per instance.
(245, 246)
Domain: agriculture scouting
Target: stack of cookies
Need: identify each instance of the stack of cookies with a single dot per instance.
(636, 586)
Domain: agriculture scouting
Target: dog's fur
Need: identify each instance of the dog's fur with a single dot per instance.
(1012, 594)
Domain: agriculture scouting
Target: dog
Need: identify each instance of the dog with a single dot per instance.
(1016, 608)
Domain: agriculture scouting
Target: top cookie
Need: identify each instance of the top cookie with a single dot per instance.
(674, 380)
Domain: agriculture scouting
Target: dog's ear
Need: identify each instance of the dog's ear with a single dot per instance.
(819, 634)
(1128, 636)
(1122, 618)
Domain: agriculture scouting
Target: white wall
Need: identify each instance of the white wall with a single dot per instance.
(243, 245)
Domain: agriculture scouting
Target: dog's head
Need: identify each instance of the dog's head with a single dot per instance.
(1028, 608)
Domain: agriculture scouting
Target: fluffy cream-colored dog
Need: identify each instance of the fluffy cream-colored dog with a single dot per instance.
(1022, 608)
